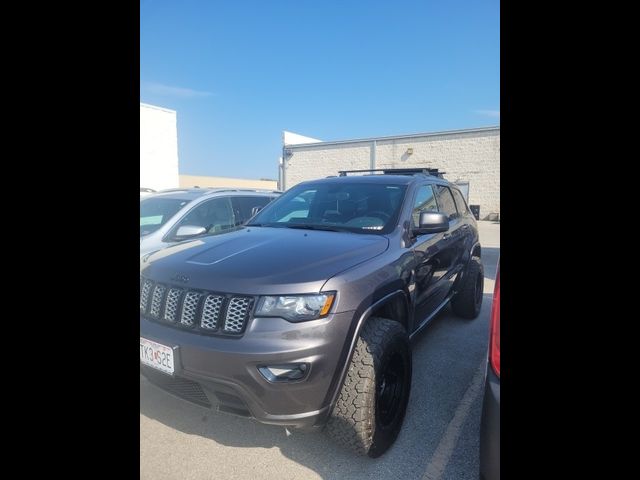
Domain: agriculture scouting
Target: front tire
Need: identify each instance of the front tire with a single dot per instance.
(468, 301)
(373, 399)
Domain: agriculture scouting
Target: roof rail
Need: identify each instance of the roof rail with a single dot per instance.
(253, 190)
(179, 189)
(397, 171)
(211, 190)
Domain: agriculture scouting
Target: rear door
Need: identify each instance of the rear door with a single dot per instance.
(453, 240)
(468, 224)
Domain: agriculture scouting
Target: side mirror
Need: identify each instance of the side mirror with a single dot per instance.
(255, 210)
(432, 222)
(188, 231)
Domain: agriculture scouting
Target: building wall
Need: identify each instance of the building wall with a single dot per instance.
(158, 147)
(472, 156)
(201, 181)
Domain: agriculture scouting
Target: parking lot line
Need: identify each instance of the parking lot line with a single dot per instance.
(442, 455)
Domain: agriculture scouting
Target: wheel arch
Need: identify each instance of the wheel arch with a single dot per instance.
(395, 302)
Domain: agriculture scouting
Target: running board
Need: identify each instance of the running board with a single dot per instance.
(426, 321)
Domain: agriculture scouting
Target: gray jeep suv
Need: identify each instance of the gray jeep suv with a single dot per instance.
(304, 316)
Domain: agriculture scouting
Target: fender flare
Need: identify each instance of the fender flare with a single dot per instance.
(466, 264)
(473, 247)
(347, 354)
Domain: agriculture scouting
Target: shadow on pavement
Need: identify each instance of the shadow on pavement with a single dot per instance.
(490, 256)
(313, 450)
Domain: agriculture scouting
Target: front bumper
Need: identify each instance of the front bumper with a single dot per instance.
(224, 370)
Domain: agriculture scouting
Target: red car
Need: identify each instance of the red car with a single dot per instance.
(490, 424)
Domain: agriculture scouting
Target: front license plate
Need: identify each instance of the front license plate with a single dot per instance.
(156, 356)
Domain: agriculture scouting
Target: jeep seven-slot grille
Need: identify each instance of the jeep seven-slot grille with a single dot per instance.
(205, 312)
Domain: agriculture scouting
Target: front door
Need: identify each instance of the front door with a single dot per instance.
(437, 255)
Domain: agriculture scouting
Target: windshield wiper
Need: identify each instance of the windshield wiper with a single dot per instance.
(304, 226)
(263, 225)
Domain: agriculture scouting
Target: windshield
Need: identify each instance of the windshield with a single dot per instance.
(354, 207)
(155, 212)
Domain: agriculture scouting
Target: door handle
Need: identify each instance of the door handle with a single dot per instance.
(446, 236)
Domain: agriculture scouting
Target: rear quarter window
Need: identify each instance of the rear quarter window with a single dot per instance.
(463, 208)
(446, 204)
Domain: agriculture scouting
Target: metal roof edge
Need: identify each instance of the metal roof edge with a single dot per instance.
(155, 107)
(395, 137)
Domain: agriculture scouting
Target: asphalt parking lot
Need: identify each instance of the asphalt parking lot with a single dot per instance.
(439, 438)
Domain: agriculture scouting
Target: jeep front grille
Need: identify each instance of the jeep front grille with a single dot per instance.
(236, 313)
(172, 303)
(156, 301)
(189, 308)
(211, 312)
(144, 295)
(205, 312)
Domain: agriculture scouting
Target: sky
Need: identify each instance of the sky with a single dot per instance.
(239, 72)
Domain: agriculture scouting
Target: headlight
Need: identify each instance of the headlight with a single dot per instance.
(295, 308)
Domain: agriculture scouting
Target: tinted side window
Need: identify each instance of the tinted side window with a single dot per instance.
(445, 201)
(243, 206)
(460, 203)
(425, 201)
(215, 215)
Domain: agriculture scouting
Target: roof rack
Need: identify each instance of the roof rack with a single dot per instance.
(397, 171)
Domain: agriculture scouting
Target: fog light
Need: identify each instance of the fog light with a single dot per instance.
(284, 373)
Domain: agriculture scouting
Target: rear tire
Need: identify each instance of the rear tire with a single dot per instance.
(373, 399)
(468, 301)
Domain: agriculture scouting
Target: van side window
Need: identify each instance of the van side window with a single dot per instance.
(243, 207)
(214, 215)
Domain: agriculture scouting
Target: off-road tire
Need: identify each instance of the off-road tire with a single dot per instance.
(467, 302)
(359, 419)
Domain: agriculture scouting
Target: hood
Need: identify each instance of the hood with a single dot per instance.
(262, 260)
